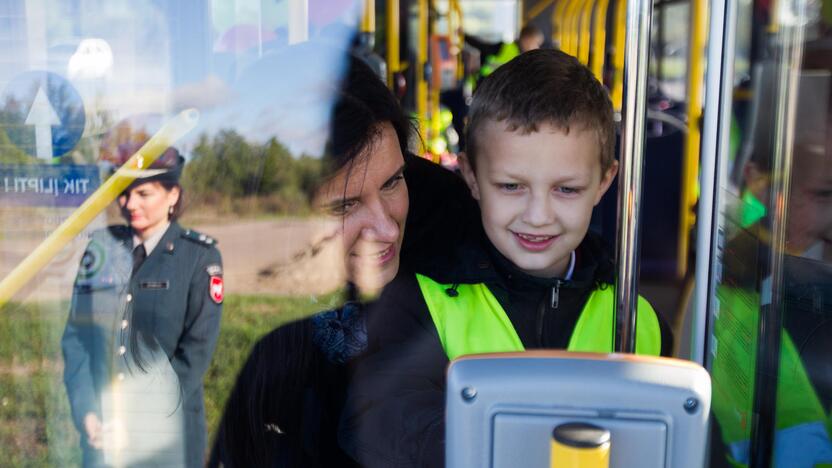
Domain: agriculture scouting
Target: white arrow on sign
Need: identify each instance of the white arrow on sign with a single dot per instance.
(43, 116)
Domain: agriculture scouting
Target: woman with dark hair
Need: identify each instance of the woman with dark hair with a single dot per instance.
(142, 327)
(285, 406)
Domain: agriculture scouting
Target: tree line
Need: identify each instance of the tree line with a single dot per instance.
(228, 173)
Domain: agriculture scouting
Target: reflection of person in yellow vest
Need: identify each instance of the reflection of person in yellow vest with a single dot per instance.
(473, 321)
(802, 425)
(530, 38)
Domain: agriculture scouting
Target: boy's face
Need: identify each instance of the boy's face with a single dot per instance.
(536, 192)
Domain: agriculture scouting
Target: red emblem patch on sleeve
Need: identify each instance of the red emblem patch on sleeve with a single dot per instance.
(216, 289)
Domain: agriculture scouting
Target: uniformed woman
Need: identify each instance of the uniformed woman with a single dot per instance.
(142, 328)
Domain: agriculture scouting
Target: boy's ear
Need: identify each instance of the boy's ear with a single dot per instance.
(468, 175)
(606, 180)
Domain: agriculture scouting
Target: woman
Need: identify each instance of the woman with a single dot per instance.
(142, 327)
(285, 406)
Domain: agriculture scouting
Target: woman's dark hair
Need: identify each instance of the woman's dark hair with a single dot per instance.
(269, 417)
(141, 333)
(363, 103)
(262, 423)
(179, 206)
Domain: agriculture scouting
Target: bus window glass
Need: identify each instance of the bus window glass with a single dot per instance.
(771, 330)
(493, 21)
(159, 166)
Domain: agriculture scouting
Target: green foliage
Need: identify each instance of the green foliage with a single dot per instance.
(245, 320)
(10, 153)
(35, 424)
(228, 168)
(36, 428)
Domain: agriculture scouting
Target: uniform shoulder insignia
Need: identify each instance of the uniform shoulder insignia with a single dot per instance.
(198, 237)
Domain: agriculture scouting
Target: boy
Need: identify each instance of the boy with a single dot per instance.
(540, 157)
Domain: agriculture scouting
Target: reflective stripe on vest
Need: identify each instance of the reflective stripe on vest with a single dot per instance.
(474, 322)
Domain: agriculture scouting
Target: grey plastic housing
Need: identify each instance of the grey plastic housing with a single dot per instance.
(502, 408)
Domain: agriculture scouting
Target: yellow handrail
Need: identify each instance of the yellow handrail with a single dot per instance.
(577, 12)
(433, 95)
(618, 55)
(96, 203)
(599, 40)
(558, 24)
(774, 22)
(368, 18)
(421, 62)
(586, 31)
(690, 168)
(569, 24)
(393, 58)
(456, 35)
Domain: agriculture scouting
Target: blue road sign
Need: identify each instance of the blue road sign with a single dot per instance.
(42, 114)
(47, 185)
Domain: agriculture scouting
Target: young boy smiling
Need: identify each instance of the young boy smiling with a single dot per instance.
(540, 157)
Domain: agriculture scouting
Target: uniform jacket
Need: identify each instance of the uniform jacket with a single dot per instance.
(394, 412)
(169, 296)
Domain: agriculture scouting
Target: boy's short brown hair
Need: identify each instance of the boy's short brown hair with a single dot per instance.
(543, 87)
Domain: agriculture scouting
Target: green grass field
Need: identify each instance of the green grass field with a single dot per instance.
(35, 424)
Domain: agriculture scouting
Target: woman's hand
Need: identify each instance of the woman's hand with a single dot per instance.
(93, 427)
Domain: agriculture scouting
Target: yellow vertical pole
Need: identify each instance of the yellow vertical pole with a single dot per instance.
(368, 18)
(599, 39)
(618, 56)
(558, 23)
(690, 168)
(421, 62)
(774, 23)
(564, 25)
(575, 26)
(586, 31)
(455, 35)
(393, 64)
(433, 94)
(461, 33)
(569, 26)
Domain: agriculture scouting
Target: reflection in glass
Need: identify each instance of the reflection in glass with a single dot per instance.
(250, 170)
(771, 329)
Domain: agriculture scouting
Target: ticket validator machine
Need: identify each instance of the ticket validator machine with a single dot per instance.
(559, 409)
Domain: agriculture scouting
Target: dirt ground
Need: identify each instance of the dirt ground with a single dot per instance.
(285, 257)
(272, 256)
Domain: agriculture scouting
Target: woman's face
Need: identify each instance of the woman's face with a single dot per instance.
(368, 197)
(146, 206)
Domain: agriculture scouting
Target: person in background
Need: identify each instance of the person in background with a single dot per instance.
(531, 38)
(142, 327)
